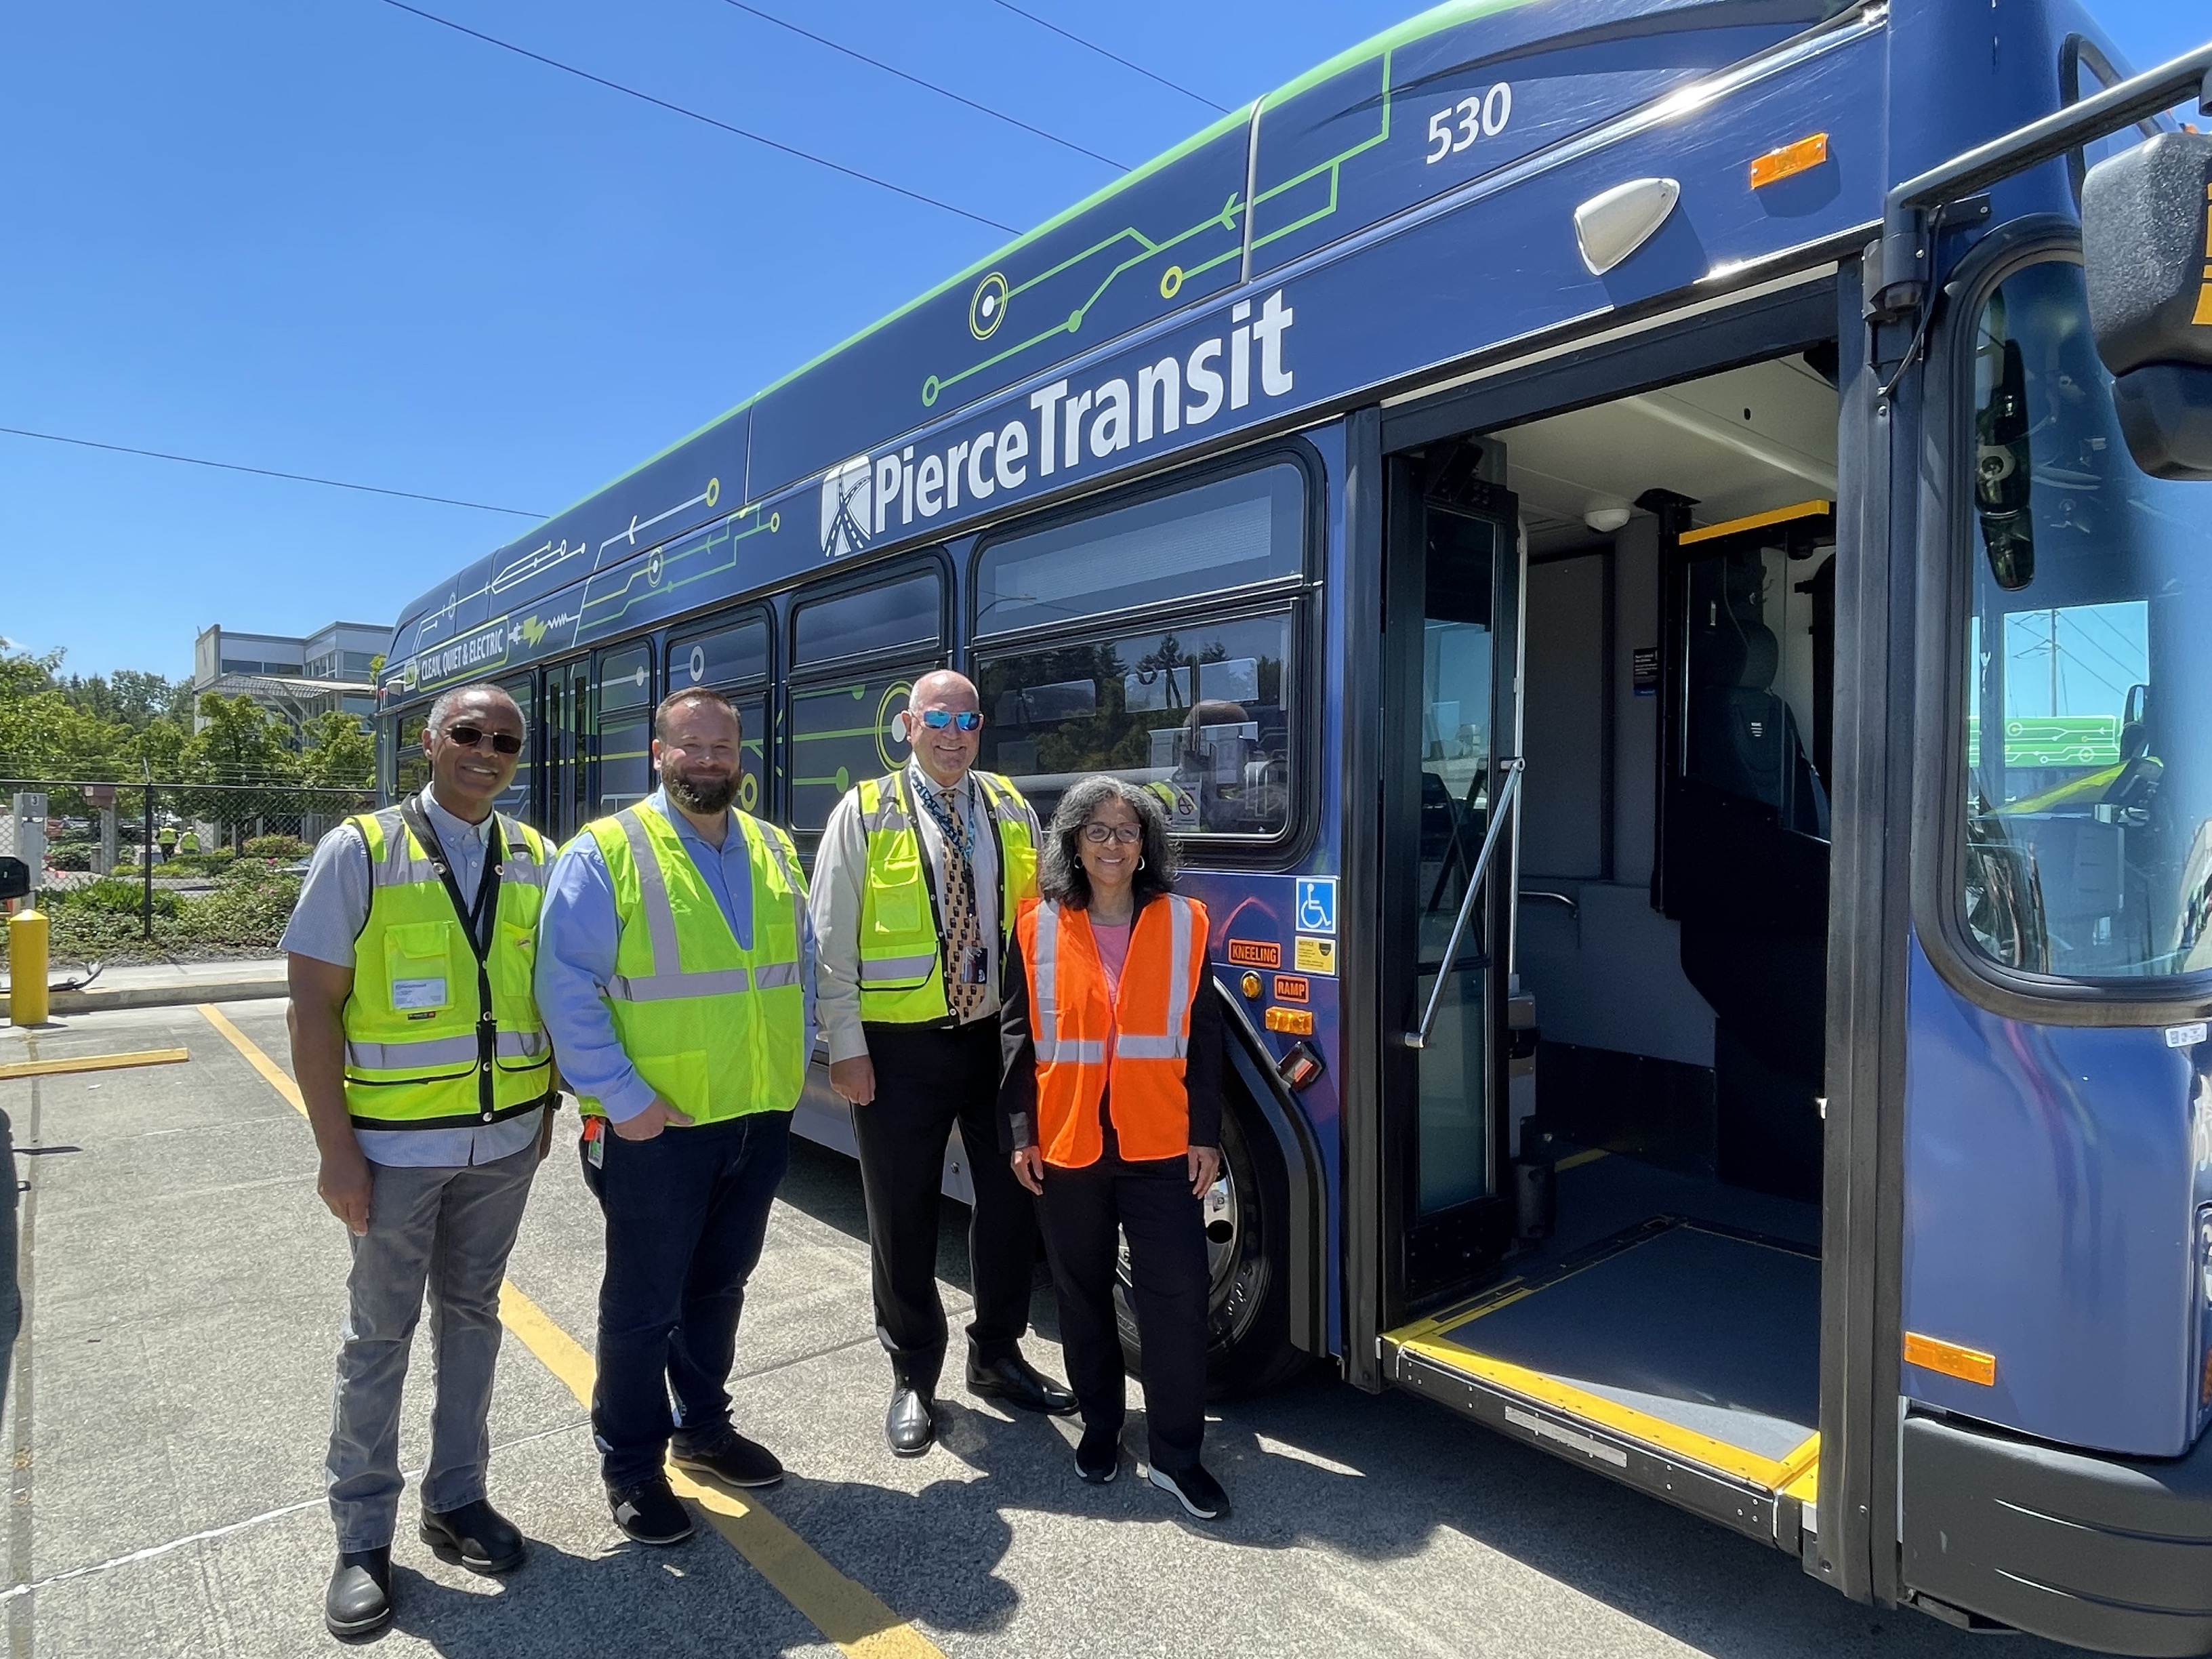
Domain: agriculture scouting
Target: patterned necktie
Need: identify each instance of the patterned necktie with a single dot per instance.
(963, 933)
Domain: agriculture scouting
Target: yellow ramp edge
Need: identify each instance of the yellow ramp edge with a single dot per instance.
(95, 1063)
(843, 1610)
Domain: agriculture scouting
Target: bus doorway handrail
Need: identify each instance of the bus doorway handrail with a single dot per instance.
(1507, 797)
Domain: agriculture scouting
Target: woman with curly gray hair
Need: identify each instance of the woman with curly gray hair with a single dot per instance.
(1111, 1113)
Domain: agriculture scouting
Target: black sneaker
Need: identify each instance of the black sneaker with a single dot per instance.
(648, 1512)
(1195, 1490)
(1098, 1455)
(732, 1459)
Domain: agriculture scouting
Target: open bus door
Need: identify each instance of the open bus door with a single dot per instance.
(1452, 597)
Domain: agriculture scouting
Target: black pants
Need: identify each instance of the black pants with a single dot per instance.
(687, 1211)
(926, 1081)
(1151, 1202)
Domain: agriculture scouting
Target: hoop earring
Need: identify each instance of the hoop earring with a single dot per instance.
(1140, 860)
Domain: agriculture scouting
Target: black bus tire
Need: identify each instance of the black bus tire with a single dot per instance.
(1247, 1307)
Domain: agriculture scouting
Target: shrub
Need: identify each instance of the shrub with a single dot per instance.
(111, 896)
(70, 857)
(274, 847)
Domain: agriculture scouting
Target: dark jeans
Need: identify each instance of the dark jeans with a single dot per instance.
(1153, 1204)
(686, 1212)
(927, 1082)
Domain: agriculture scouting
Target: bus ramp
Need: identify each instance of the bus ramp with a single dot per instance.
(1679, 1357)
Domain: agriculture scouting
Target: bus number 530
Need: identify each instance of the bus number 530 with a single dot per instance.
(1484, 116)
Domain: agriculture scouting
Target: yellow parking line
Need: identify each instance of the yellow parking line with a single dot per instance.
(95, 1063)
(843, 1610)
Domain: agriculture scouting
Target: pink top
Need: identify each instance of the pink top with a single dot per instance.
(1112, 952)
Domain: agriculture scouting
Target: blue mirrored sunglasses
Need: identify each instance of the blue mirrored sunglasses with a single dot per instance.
(938, 718)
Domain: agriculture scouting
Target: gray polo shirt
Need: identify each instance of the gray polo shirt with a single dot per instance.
(332, 909)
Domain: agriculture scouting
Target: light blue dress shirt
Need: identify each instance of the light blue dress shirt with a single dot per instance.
(332, 910)
(578, 934)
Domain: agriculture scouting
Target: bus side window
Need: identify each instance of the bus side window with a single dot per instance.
(732, 656)
(856, 653)
(1190, 702)
(623, 681)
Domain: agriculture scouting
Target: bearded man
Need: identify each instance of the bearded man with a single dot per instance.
(675, 974)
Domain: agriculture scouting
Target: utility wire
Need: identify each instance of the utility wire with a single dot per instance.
(929, 86)
(266, 473)
(679, 109)
(1092, 46)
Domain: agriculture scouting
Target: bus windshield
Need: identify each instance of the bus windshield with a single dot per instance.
(2088, 705)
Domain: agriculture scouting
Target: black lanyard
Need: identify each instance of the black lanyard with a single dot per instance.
(473, 916)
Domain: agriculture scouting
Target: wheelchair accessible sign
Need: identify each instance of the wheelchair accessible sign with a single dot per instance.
(1315, 951)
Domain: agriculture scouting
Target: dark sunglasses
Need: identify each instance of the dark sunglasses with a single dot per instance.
(938, 718)
(471, 736)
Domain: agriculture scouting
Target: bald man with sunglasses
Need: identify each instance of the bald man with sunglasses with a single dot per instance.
(916, 886)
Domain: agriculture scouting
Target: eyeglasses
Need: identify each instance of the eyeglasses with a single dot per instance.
(1099, 834)
(473, 737)
(938, 718)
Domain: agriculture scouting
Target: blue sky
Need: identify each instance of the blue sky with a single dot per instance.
(338, 239)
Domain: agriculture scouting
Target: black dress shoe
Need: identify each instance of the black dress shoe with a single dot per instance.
(911, 1423)
(647, 1511)
(733, 1459)
(1098, 1455)
(359, 1600)
(1014, 1380)
(477, 1535)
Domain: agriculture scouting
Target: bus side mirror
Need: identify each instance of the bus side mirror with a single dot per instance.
(14, 880)
(2147, 241)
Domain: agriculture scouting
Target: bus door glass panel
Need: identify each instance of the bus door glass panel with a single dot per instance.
(568, 697)
(1194, 704)
(855, 656)
(625, 726)
(733, 659)
(2088, 730)
(1451, 661)
(519, 800)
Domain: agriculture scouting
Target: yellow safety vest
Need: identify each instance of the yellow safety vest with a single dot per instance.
(423, 1051)
(719, 1030)
(902, 945)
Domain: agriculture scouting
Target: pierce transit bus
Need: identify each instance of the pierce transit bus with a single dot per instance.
(1665, 584)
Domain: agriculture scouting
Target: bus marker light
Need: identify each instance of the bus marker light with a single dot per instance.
(1249, 984)
(1298, 1022)
(1968, 1364)
(1789, 161)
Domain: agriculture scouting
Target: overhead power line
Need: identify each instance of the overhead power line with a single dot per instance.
(928, 86)
(1092, 46)
(696, 115)
(266, 473)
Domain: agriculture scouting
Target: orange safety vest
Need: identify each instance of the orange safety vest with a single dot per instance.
(1072, 1014)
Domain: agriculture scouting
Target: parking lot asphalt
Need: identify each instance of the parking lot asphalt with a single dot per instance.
(170, 1401)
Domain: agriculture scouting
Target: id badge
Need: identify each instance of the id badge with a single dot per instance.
(408, 994)
(975, 962)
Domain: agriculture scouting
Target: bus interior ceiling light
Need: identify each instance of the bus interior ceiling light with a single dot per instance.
(1604, 521)
(1614, 223)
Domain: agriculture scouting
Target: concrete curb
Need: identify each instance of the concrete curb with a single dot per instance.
(158, 996)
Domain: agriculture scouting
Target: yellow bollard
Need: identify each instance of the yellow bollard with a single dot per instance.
(27, 968)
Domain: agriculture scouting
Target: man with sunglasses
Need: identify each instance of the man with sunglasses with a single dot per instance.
(428, 1079)
(916, 886)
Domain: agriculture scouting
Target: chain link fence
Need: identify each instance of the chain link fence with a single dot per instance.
(158, 870)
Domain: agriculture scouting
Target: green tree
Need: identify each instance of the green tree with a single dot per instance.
(240, 743)
(337, 753)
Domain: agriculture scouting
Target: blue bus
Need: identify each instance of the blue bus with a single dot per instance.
(1661, 576)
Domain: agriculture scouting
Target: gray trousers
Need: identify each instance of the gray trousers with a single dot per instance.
(447, 1230)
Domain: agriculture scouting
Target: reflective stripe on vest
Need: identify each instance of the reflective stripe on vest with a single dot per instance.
(901, 956)
(413, 1056)
(1074, 1010)
(717, 1029)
